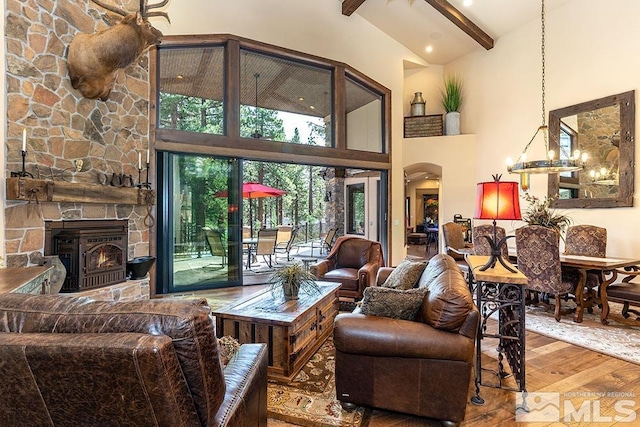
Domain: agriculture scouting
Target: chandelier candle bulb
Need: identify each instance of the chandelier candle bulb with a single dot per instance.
(147, 156)
(24, 139)
(139, 160)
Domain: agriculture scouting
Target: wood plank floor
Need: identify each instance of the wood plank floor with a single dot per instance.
(551, 366)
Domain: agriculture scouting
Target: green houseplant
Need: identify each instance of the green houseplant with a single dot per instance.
(291, 279)
(451, 102)
(539, 212)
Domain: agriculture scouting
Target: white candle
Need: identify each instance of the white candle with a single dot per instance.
(147, 156)
(139, 160)
(24, 139)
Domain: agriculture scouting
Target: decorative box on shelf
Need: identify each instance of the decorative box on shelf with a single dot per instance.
(420, 126)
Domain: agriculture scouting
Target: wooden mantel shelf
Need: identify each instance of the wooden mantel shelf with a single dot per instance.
(76, 192)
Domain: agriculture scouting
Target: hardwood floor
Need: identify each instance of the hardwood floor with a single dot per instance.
(552, 366)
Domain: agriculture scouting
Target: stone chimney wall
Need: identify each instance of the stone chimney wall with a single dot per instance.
(63, 127)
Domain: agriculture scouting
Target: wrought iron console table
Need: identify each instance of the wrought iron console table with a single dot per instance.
(499, 291)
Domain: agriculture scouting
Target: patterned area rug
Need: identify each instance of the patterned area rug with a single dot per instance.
(310, 398)
(620, 338)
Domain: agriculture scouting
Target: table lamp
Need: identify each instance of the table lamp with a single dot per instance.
(497, 200)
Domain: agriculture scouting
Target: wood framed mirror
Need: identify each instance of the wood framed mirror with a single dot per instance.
(605, 129)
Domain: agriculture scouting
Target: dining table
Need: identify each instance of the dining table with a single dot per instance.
(605, 265)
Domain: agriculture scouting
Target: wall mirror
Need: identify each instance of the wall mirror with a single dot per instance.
(605, 129)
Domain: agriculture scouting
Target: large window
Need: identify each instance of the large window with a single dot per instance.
(191, 98)
(276, 93)
(247, 95)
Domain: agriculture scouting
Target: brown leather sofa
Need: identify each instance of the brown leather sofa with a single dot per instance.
(69, 361)
(421, 367)
(353, 262)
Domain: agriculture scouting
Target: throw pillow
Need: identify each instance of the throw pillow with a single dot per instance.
(227, 348)
(405, 275)
(394, 303)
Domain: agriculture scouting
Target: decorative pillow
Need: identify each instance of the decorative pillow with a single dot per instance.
(227, 348)
(405, 275)
(394, 303)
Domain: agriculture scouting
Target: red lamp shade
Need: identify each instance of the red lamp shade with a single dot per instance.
(498, 200)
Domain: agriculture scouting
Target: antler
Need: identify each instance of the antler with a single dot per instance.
(145, 9)
(110, 8)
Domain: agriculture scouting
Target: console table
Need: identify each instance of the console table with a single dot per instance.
(499, 291)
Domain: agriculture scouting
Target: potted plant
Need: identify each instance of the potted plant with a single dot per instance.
(291, 279)
(540, 212)
(451, 102)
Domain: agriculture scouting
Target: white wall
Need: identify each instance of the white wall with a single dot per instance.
(317, 28)
(591, 52)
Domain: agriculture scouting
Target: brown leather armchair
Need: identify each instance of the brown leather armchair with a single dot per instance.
(354, 262)
(74, 361)
(422, 366)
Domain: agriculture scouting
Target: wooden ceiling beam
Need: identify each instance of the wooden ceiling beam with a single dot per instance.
(350, 6)
(455, 16)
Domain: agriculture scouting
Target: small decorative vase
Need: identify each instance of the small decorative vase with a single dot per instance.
(452, 123)
(417, 105)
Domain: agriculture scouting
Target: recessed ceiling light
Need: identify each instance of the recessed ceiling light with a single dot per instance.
(301, 99)
(179, 77)
(429, 49)
(312, 107)
(467, 3)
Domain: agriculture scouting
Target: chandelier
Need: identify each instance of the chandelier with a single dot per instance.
(563, 163)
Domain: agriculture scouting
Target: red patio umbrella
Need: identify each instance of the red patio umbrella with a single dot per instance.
(254, 190)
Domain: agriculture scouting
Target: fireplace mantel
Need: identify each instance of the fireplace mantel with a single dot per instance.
(75, 192)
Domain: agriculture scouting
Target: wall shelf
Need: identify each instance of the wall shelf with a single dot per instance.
(30, 189)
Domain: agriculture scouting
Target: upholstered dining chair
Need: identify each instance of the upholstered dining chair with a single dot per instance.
(480, 244)
(586, 240)
(539, 260)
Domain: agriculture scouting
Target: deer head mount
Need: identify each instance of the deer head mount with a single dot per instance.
(94, 59)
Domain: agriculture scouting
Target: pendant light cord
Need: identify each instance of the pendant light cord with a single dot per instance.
(544, 112)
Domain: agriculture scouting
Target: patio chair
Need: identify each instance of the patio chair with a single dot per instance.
(539, 260)
(284, 243)
(266, 244)
(216, 246)
(329, 240)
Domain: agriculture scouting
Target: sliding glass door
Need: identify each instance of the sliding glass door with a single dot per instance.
(199, 223)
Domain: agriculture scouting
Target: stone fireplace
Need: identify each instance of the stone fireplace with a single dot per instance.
(93, 252)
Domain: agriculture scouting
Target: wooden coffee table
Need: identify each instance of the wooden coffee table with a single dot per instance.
(293, 330)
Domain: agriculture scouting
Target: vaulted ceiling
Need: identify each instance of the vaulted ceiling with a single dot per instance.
(449, 27)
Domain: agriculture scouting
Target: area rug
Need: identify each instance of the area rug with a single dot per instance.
(620, 338)
(310, 398)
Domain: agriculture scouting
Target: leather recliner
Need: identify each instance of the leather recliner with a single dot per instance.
(74, 361)
(353, 262)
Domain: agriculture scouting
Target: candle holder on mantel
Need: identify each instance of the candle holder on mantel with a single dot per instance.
(145, 184)
(23, 173)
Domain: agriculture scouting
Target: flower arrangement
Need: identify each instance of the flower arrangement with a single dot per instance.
(432, 203)
(540, 212)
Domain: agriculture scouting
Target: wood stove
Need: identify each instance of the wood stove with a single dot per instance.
(93, 252)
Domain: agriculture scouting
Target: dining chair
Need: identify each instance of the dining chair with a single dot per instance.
(481, 245)
(539, 260)
(266, 244)
(454, 241)
(586, 240)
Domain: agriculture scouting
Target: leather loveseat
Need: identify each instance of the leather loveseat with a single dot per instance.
(353, 262)
(421, 366)
(69, 361)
